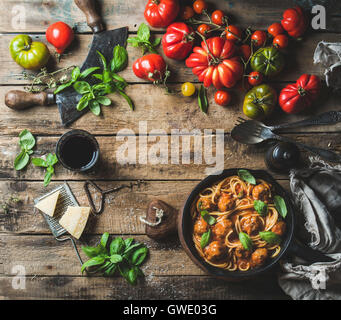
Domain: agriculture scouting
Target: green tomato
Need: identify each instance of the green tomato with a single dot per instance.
(268, 61)
(259, 102)
(31, 55)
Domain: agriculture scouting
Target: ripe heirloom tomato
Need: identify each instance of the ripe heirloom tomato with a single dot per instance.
(161, 13)
(245, 52)
(177, 42)
(188, 89)
(151, 67)
(294, 22)
(187, 13)
(216, 63)
(218, 17)
(255, 78)
(233, 33)
(281, 41)
(275, 29)
(268, 61)
(223, 98)
(203, 29)
(60, 35)
(259, 38)
(199, 6)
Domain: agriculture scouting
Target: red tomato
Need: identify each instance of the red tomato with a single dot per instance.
(177, 42)
(300, 95)
(255, 78)
(218, 17)
(294, 22)
(233, 33)
(199, 6)
(281, 41)
(187, 13)
(60, 35)
(161, 13)
(216, 63)
(275, 29)
(203, 29)
(245, 52)
(259, 38)
(151, 67)
(223, 98)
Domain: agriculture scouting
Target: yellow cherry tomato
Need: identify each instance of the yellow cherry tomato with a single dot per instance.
(188, 89)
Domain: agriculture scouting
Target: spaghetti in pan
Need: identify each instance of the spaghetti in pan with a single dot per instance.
(238, 223)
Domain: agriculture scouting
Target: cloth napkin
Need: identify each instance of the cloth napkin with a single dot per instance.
(329, 55)
(316, 192)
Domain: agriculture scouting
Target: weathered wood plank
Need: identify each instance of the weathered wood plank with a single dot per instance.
(120, 216)
(116, 13)
(153, 288)
(109, 167)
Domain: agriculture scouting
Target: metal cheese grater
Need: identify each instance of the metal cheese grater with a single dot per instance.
(66, 198)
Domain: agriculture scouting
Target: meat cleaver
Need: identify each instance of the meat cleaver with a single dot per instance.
(103, 41)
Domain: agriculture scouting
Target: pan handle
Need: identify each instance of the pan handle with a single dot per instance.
(93, 19)
(308, 254)
(20, 100)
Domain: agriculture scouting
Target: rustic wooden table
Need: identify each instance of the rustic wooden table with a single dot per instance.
(52, 269)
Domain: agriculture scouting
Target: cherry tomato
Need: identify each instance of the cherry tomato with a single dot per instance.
(218, 17)
(275, 29)
(188, 89)
(60, 35)
(204, 28)
(223, 98)
(187, 13)
(259, 38)
(245, 52)
(255, 78)
(233, 33)
(281, 41)
(199, 6)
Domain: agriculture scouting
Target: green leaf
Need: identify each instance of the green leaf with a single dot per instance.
(82, 87)
(47, 178)
(133, 246)
(117, 246)
(207, 217)
(245, 241)
(98, 76)
(130, 102)
(51, 159)
(104, 239)
(95, 107)
(139, 256)
(63, 86)
(270, 237)
(143, 32)
(128, 242)
(261, 207)
(281, 206)
(116, 258)
(205, 239)
(120, 59)
(21, 160)
(202, 99)
(88, 71)
(95, 261)
(75, 74)
(39, 162)
(104, 101)
(92, 251)
(132, 276)
(103, 60)
(135, 42)
(246, 176)
(26, 140)
(157, 42)
(83, 103)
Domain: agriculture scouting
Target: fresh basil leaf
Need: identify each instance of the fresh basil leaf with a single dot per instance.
(261, 207)
(104, 239)
(26, 140)
(132, 276)
(205, 239)
(139, 256)
(135, 42)
(83, 103)
(280, 206)
(245, 241)
(116, 258)
(104, 101)
(202, 99)
(75, 74)
(128, 242)
(143, 32)
(51, 159)
(111, 269)
(63, 86)
(95, 107)
(157, 42)
(133, 246)
(103, 60)
(91, 251)
(130, 102)
(120, 59)
(39, 162)
(246, 176)
(207, 217)
(270, 237)
(88, 71)
(47, 178)
(21, 160)
(117, 246)
(82, 87)
(95, 261)
(98, 76)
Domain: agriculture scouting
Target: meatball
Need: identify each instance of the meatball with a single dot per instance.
(200, 226)
(221, 228)
(279, 228)
(258, 257)
(241, 253)
(205, 204)
(261, 192)
(225, 202)
(215, 251)
(251, 224)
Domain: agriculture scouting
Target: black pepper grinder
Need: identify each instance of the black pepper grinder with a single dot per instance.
(282, 157)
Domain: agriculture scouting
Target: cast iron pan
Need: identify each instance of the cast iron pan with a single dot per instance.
(288, 246)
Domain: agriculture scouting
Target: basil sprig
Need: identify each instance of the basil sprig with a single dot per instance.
(142, 40)
(48, 163)
(246, 176)
(122, 256)
(207, 217)
(270, 237)
(205, 239)
(261, 207)
(280, 206)
(26, 142)
(245, 241)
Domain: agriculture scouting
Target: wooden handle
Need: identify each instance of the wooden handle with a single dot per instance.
(93, 19)
(20, 100)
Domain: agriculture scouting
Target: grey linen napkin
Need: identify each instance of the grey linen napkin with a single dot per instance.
(316, 192)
